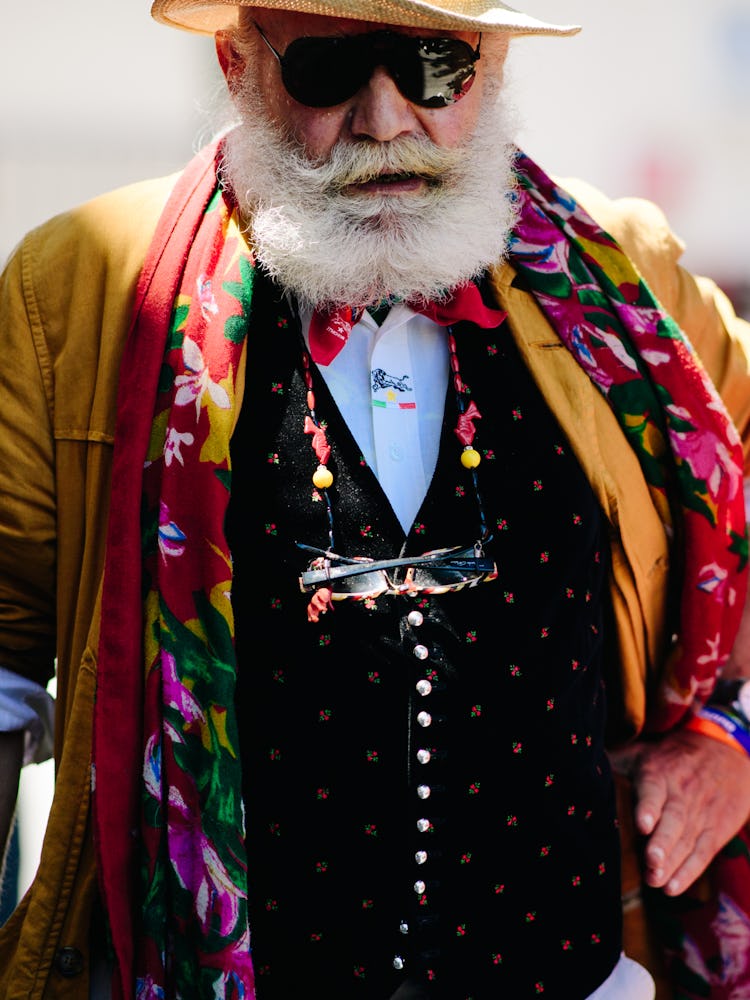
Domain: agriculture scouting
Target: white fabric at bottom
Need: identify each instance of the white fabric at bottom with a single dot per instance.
(628, 981)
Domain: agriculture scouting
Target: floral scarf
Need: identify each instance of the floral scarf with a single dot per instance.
(166, 655)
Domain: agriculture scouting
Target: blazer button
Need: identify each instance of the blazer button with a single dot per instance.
(69, 962)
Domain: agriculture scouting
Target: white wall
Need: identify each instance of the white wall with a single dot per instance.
(93, 94)
(652, 98)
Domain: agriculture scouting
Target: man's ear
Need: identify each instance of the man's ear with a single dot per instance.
(231, 61)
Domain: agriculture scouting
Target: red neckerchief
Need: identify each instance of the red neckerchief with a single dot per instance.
(330, 330)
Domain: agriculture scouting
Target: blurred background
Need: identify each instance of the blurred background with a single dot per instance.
(652, 102)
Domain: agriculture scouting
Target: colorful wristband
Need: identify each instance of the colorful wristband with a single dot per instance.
(721, 724)
(713, 731)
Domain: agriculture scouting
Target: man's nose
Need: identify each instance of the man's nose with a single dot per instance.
(380, 111)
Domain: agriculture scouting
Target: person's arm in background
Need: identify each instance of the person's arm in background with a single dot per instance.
(26, 737)
(11, 756)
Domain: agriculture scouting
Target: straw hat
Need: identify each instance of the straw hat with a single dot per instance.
(208, 16)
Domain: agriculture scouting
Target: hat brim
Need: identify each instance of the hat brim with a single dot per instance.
(208, 16)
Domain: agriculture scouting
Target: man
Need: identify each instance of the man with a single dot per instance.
(366, 496)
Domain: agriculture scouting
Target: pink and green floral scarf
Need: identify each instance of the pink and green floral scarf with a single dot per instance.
(166, 675)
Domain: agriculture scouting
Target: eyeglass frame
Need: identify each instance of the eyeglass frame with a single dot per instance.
(457, 558)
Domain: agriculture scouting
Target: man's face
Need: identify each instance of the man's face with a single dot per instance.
(378, 111)
(375, 197)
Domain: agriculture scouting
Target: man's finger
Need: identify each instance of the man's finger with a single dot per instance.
(693, 865)
(652, 794)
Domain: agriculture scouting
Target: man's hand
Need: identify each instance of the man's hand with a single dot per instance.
(692, 797)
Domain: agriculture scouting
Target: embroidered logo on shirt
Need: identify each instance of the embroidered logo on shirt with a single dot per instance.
(391, 383)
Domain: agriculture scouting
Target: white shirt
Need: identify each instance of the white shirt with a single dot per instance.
(390, 382)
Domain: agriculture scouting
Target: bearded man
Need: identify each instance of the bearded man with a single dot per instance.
(371, 500)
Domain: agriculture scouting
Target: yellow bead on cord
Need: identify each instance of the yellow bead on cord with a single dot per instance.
(470, 457)
(322, 478)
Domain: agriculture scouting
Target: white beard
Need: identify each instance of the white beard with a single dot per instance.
(328, 247)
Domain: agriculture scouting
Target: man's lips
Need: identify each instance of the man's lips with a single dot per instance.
(387, 184)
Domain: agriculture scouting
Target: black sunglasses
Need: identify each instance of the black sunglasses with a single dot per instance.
(438, 572)
(323, 71)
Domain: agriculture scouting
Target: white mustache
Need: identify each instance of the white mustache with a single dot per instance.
(350, 164)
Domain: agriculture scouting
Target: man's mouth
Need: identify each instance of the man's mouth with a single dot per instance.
(398, 183)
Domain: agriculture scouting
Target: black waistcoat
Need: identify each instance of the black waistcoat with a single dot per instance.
(426, 787)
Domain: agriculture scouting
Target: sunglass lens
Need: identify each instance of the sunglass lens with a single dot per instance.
(361, 585)
(323, 72)
(447, 68)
